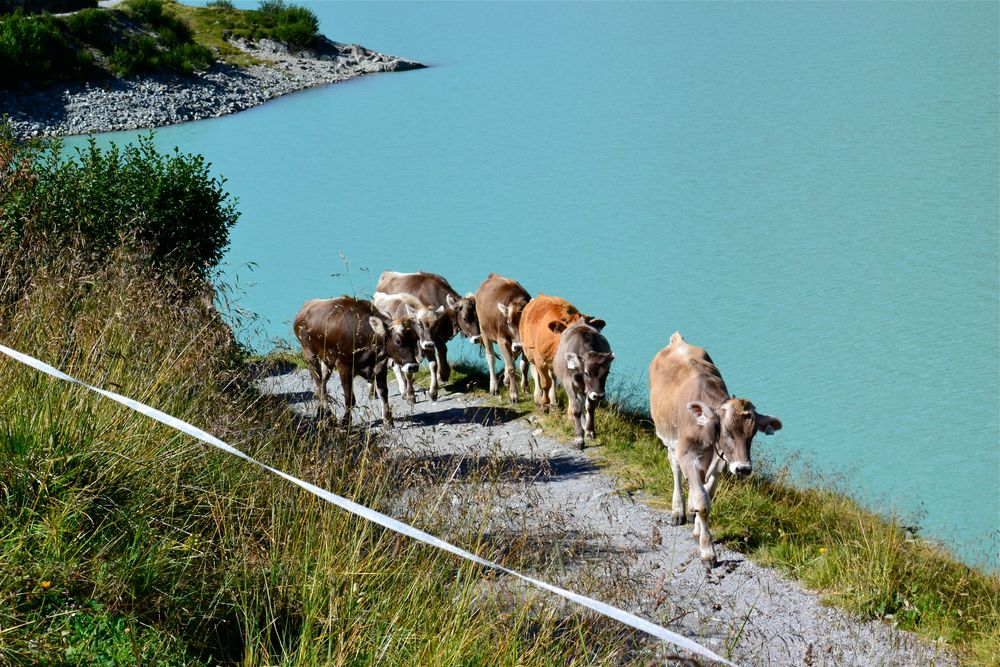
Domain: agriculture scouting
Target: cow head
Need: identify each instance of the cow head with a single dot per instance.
(465, 317)
(591, 370)
(399, 341)
(511, 314)
(731, 428)
(425, 323)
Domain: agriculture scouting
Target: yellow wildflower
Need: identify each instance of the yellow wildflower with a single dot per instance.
(46, 585)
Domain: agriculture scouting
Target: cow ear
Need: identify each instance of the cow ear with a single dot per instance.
(378, 326)
(452, 301)
(502, 308)
(701, 411)
(440, 310)
(598, 324)
(572, 361)
(409, 310)
(557, 327)
(767, 424)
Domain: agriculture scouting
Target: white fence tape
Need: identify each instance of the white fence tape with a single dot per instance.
(377, 517)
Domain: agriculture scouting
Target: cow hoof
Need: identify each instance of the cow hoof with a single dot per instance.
(677, 519)
(513, 399)
(433, 396)
(591, 435)
(411, 398)
(387, 423)
(578, 442)
(710, 563)
(691, 516)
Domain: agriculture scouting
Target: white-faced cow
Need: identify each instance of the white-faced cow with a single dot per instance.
(352, 336)
(499, 303)
(427, 322)
(703, 427)
(434, 291)
(582, 362)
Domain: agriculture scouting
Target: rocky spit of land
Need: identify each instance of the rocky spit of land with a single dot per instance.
(157, 100)
(603, 541)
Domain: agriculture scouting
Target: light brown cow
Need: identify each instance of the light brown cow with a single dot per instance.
(434, 291)
(499, 303)
(542, 321)
(426, 321)
(703, 427)
(352, 336)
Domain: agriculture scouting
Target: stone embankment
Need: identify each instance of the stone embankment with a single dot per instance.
(154, 101)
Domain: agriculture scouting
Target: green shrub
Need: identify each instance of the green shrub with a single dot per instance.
(292, 25)
(33, 49)
(165, 206)
(188, 58)
(221, 4)
(138, 55)
(89, 25)
(147, 11)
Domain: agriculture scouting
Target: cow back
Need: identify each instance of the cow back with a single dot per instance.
(429, 288)
(497, 289)
(679, 374)
(338, 331)
(540, 341)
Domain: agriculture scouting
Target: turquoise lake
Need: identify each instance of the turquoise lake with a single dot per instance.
(808, 190)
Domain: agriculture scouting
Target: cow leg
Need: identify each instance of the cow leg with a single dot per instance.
(714, 472)
(538, 393)
(677, 515)
(444, 368)
(435, 372)
(400, 379)
(508, 369)
(702, 504)
(491, 365)
(576, 414)
(347, 384)
(588, 424)
(411, 394)
(524, 373)
(553, 395)
(382, 388)
(319, 387)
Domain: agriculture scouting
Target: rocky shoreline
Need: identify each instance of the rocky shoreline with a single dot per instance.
(158, 100)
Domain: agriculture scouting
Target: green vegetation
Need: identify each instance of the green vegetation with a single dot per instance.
(123, 542)
(141, 36)
(858, 560)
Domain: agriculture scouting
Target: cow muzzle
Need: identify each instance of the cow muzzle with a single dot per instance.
(410, 368)
(474, 340)
(594, 396)
(741, 469)
(426, 345)
(516, 347)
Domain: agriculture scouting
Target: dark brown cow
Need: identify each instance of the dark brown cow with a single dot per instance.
(541, 322)
(352, 336)
(499, 303)
(703, 427)
(582, 362)
(434, 291)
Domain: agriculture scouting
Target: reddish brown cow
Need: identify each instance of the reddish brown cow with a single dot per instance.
(499, 303)
(542, 321)
(703, 427)
(352, 336)
(434, 291)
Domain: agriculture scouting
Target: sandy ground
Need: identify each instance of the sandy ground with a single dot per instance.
(606, 537)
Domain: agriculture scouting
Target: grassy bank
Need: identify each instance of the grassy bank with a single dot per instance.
(123, 542)
(141, 37)
(857, 560)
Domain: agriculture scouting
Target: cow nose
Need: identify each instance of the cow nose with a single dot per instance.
(742, 469)
(594, 396)
(410, 368)
(516, 347)
(474, 340)
(427, 345)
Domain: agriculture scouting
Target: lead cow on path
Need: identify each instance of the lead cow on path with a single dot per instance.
(499, 303)
(427, 322)
(703, 427)
(352, 336)
(543, 319)
(434, 291)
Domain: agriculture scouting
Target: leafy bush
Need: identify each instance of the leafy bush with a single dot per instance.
(165, 206)
(147, 11)
(188, 58)
(293, 25)
(89, 25)
(138, 55)
(33, 49)
(220, 4)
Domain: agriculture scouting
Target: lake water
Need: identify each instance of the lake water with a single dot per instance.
(808, 190)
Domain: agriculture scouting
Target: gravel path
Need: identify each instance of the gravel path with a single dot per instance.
(602, 532)
(154, 101)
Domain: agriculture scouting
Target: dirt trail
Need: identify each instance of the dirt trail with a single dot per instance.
(603, 532)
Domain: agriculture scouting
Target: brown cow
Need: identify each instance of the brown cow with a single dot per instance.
(499, 303)
(542, 321)
(703, 427)
(582, 362)
(434, 291)
(352, 336)
(427, 322)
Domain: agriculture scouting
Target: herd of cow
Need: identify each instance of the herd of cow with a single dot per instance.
(412, 316)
